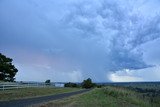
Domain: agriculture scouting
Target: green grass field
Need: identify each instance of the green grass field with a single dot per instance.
(32, 92)
(103, 97)
(144, 95)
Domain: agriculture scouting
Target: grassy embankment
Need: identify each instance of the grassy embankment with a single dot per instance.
(103, 97)
(32, 92)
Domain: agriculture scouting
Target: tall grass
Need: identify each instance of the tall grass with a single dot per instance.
(126, 95)
(103, 97)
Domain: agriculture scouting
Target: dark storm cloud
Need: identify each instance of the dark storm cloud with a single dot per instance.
(119, 30)
(92, 38)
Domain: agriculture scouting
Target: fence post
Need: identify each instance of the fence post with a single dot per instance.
(3, 87)
(17, 85)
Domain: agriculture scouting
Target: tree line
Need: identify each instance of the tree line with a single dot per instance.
(85, 84)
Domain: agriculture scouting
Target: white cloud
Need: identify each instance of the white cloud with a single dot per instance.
(124, 76)
(146, 74)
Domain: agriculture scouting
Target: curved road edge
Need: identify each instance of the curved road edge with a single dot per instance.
(37, 100)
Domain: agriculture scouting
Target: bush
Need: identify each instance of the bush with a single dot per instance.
(48, 82)
(99, 86)
(70, 85)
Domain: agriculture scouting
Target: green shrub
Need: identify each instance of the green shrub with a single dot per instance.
(70, 85)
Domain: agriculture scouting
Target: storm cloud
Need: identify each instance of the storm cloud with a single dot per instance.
(73, 40)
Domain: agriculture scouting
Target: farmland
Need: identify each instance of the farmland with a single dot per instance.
(114, 95)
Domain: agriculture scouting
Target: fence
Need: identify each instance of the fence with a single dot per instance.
(11, 85)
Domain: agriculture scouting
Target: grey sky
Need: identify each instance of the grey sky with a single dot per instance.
(114, 40)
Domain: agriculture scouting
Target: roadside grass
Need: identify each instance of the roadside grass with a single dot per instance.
(102, 97)
(32, 92)
(126, 96)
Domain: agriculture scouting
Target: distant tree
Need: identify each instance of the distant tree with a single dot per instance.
(87, 83)
(7, 69)
(48, 82)
(99, 86)
(70, 84)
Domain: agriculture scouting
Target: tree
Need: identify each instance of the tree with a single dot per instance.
(48, 82)
(7, 69)
(70, 84)
(87, 83)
